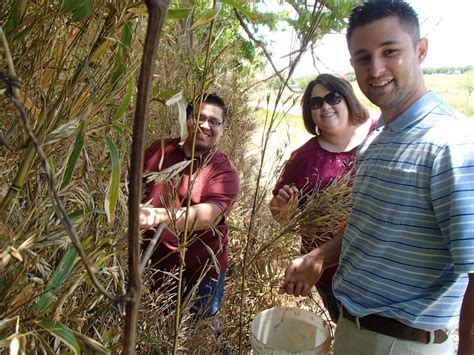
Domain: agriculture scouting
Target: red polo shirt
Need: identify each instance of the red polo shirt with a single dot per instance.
(214, 180)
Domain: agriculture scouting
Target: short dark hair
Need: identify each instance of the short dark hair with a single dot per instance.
(208, 98)
(357, 112)
(373, 10)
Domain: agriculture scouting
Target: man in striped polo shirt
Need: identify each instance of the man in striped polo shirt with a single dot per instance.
(406, 270)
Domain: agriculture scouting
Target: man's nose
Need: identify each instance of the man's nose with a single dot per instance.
(204, 124)
(377, 67)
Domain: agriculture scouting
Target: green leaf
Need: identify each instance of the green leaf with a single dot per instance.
(236, 4)
(165, 95)
(126, 35)
(74, 156)
(14, 17)
(126, 101)
(114, 185)
(121, 58)
(62, 332)
(59, 277)
(83, 11)
(156, 90)
(208, 16)
(69, 6)
(178, 14)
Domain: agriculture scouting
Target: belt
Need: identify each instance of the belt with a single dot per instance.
(395, 329)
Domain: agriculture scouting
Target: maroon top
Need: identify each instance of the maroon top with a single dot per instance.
(311, 167)
(215, 180)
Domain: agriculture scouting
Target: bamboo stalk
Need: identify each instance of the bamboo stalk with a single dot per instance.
(157, 10)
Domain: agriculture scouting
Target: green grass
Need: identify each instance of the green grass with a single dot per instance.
(291, 119)
(450, 89)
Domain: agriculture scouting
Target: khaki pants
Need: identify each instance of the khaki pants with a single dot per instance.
(350, 340)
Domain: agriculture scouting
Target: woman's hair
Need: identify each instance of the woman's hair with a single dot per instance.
(357, 113)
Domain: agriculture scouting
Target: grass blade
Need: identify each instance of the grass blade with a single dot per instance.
(113, 188)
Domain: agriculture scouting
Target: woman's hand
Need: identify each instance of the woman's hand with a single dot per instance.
(284, 204)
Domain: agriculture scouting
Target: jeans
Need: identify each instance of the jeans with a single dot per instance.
(209, 297)
(330, 302)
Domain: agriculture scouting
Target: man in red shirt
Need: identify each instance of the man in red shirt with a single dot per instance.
(213, 189)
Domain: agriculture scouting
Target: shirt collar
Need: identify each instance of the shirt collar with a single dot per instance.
(415, 113)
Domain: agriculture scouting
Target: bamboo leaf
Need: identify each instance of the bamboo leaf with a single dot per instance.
(208, 16)
(59, 277)
(178, 14)
(126, 101)
(74, 156)
(83, 11)
(113, 188)
(62, 332)
(167, 94)
(15, 16)
(166, 174)
(120, 59)
(5, 324)
(139, 10)
(90, 344)
(100, 50)
(69, 6)
(126, 35)
(15, 345)
(236, 4)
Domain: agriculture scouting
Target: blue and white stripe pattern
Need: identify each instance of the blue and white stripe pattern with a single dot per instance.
(410, 239)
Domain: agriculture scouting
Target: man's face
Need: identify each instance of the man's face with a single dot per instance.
(210, 128)
(387, 65)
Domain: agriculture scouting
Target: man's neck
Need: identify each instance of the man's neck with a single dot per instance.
(197, 152)
(389, 115)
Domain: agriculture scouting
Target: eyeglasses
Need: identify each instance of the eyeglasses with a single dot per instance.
(210, 121)
(333, 98)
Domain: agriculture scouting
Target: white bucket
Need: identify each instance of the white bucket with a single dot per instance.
(285, 330)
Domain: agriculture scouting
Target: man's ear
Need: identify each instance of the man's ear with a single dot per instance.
(422, 49)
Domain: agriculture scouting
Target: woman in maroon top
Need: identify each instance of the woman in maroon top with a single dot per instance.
(339, 123)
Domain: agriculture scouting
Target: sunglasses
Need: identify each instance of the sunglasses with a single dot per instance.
(333, 98)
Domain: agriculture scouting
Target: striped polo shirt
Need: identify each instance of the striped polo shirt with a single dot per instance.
(410, 239)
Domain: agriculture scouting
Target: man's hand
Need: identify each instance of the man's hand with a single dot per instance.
(150, 217)
(283, 204)
(302, 274)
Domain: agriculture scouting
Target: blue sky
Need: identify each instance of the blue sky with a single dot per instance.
(447, 24)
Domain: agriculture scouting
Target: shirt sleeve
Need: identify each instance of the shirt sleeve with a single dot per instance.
(223, 187)
(452, 191)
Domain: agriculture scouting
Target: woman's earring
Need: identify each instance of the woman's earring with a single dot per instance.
(316, 129)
